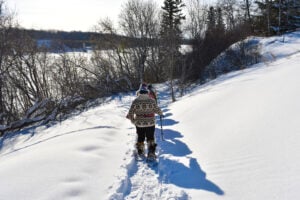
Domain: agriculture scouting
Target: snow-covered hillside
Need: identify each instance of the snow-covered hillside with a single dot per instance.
(236, 137)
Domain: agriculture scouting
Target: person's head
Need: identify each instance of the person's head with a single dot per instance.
(150, 87)
(143, 89)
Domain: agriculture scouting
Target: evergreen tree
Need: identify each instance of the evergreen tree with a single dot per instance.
(220, 26)
(211, 19)
(170, 35)
(292, 13)
(278, 16)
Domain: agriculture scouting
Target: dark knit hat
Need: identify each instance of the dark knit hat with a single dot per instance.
(143, 89)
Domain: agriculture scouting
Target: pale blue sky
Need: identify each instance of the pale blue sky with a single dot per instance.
(78, 15)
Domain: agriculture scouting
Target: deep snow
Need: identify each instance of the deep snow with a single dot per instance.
(236, 137)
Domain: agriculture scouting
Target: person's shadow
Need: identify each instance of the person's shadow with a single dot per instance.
(171, 171)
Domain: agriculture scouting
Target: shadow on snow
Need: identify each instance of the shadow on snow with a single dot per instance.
(189, 176)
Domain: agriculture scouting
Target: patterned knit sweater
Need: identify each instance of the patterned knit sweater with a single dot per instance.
(142, 111)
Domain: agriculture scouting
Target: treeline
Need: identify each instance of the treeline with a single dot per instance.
(37, 86)
(78, 40)
(59, 35)
(59, 41)
(276, 16)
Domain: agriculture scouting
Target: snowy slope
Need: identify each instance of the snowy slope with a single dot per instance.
(76, 159)
(237, 137)
(246, 134)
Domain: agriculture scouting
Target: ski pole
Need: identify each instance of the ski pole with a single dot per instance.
(161, 129)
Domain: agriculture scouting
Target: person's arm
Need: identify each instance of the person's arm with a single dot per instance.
(131, 112)
(157, 110)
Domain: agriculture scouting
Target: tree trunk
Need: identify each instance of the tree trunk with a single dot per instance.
(268, 17)
(279, 18)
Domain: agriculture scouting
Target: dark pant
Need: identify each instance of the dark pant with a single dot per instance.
(145, 132)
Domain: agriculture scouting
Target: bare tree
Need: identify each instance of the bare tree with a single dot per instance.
(131, 58)
(229, 11)
(113, 65)
(139, 19)
(28, 91)
(7, 22)
(247, 7)
(196, 18)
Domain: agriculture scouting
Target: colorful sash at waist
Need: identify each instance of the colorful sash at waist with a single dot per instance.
(146, 115)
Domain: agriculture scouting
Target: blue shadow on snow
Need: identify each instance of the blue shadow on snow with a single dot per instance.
(175, 172)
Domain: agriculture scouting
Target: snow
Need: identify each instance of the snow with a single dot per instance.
(236, 137)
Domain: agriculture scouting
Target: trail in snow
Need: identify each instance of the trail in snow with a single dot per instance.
(141, 180)
(176, 169)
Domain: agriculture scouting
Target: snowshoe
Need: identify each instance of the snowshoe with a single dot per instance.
(140, 151)
(140, 148)
(152, 160)
(139, 156)
(151, 157)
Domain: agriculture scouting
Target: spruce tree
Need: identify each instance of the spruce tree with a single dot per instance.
(211, 19)
(170, 35)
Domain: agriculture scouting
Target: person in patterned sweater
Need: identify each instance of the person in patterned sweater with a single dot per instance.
(142, 114)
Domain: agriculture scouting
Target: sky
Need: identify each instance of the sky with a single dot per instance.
(68, 15)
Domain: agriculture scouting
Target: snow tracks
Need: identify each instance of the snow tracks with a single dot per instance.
(144, 181)
(140, 181)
